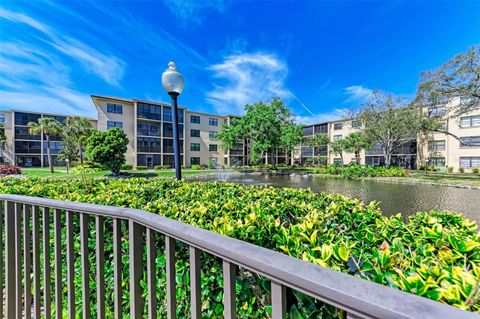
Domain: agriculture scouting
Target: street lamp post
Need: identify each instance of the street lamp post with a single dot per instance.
(172, 82)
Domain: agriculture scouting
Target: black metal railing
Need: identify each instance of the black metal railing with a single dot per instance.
(28, 282)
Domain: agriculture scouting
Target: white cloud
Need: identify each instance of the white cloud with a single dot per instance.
(247, 78)
(189, 12)
(106, 66)
(358, 94)
(334, 115)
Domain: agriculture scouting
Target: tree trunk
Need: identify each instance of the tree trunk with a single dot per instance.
(341, 157)
(49, 154)
(387, 159)
(272, 159)
(357, 157)
(80, 151)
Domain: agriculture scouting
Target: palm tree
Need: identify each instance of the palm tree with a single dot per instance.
(48, 126)
(338, 147)
(355, 143)
(81, 128)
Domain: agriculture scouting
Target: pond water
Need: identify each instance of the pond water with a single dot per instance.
(394, 198)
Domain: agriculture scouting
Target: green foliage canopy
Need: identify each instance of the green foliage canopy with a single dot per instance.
(108, 148)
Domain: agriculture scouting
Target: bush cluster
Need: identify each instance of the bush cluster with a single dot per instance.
(432, 254)
(355, 170)
(7, 169)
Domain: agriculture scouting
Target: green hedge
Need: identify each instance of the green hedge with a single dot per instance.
(432, 254)
(354, 170)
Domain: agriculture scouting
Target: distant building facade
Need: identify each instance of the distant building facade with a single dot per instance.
(148, 126)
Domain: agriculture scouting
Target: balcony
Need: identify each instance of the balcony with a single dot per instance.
(26, 220)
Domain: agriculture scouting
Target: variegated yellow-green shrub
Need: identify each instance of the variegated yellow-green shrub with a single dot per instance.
(432, 254)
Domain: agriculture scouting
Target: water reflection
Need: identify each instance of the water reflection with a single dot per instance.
(394, 198)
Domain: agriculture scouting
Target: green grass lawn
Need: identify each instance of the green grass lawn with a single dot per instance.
(468, 179)
(61, 172)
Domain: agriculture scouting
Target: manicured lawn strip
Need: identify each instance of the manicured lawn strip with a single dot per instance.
(434, 254)
(61, 172)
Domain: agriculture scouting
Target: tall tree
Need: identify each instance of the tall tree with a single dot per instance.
(108, 148)
(338, 147)
(388, 123)
(262, 125)
(318, 141)
(80, 128)
(49, 127)
(69, 151)
(291, 136)
(457, 78)
(355, 143)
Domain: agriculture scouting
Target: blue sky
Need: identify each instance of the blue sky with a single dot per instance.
(321, 57)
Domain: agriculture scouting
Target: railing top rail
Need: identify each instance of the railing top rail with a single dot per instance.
(357, 296)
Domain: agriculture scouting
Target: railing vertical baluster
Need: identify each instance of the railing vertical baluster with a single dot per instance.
(10, 259)
(18, 260)
(229, 293)
(3, 212)
(70, 267)
(27, 293)
(151, 275)
(136, 269)
(171, 277)
(36, 263)
(195, 284)
(46, 264)
(57, 230)
(85, 266)
(99, 238)
(279, 302)
(117, 267)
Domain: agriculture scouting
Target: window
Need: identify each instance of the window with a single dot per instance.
(195, 133)
(470, 141)
(213, 121)
(194, 160)
(148, 129)
(337, 160)
(321, 129)
(356, 123)
(337, 126)
(149, 111)
(337, 137)
(167, 114)
(213, 147)
(2, 118)
(114, 108)
(195, 147)
(469, 162)
(212, 135)
(470, 121)
(195, 119)
(308, 130)
(437, 161)
(25, 118)
(112, 124)
(436, 145)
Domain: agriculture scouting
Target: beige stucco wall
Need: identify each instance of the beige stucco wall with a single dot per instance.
(346, 130)
(127, 118)
(453, 151)
(204, 139)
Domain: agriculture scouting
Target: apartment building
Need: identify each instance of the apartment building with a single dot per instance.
(23, 148)
(460, 148)
(150, 130)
